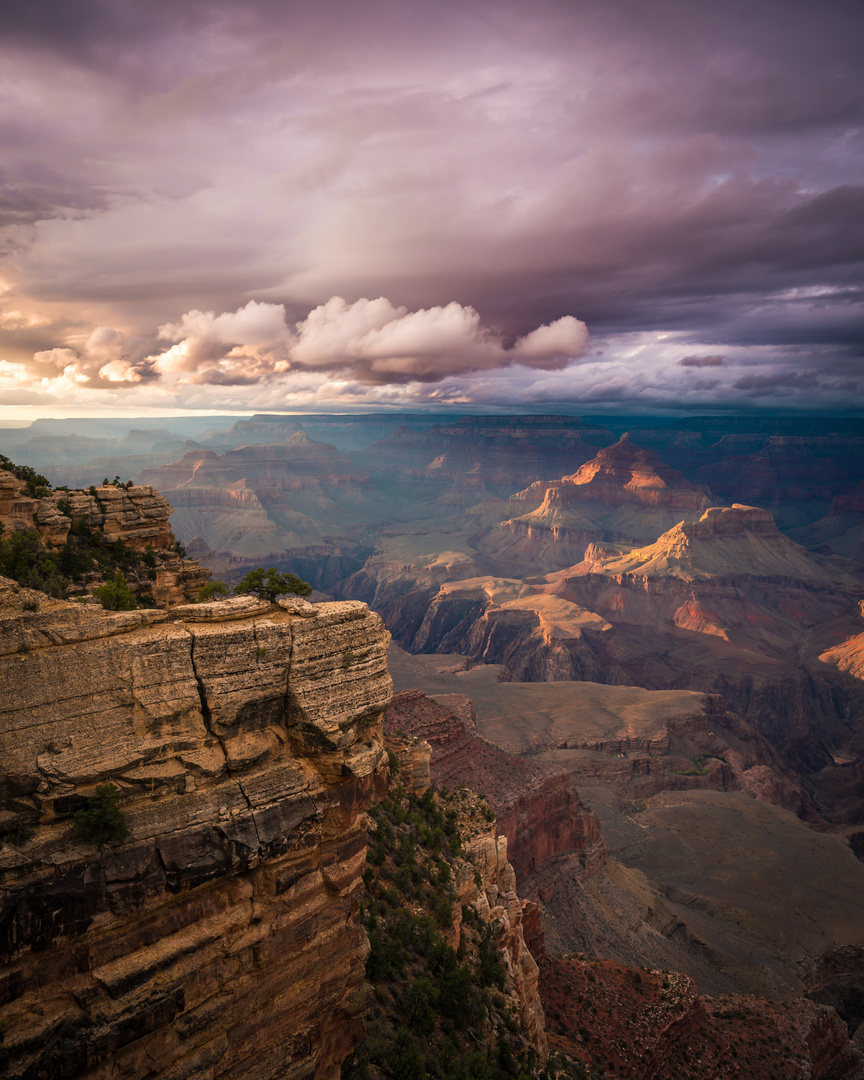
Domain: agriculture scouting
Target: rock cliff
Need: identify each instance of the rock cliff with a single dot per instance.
(730, 605)
(220, 938)
(501, 453)
(106, 525)
(658, 1026)
(726, 604)
(841, 531)
(452, 926)
(257, 500)
(536, 809)
(137, 515)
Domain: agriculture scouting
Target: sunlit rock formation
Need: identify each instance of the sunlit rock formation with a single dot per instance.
(624, 494)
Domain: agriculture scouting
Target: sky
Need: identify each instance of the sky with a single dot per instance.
(603, 205)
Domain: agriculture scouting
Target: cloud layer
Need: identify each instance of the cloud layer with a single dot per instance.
(680, 174)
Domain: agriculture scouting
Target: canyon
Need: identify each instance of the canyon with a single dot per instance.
(646, 651)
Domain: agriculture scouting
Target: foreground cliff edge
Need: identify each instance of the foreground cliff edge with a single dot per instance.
(221, 938)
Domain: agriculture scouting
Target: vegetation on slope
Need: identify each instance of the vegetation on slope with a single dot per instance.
(442, 1004)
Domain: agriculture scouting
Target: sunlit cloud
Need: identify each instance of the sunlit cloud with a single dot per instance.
(371, 341)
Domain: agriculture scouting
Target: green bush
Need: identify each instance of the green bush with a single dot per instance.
(25, 560)
(115, 594)
(211, 589)
(101, 822)
(268, 584)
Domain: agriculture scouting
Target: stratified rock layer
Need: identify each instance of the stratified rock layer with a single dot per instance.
(220, 939)
(485, 880)
(537, 811)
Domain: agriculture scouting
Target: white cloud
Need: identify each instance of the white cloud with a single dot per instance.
(373, 341)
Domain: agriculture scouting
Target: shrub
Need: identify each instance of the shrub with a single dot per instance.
(211, 589)
(443, 911)
(101, 821)
(268, 584)
(115, 594)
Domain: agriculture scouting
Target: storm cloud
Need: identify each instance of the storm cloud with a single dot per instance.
(205, 205)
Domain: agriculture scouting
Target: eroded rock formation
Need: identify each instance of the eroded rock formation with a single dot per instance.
(658, 1026)
(485, 880)
(137, 517)
(623, 494)
(536, 809)
(220, 938)
(257, 500)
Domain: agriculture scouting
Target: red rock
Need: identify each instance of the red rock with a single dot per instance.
(536, 810)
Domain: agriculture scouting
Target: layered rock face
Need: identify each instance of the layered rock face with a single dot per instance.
(726, 604)
(495, 899)
(483, 879)
(536, 809)
(220, 938)
(658, 1026)
(505, 621)
(841, 531)
(791, 467)
(624, 494)
(729, 605)
(138, 515)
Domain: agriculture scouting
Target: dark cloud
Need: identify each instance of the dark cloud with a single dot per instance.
(778, 380)
(702, 361)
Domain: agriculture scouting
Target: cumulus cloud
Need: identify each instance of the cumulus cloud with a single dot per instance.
(107, 358)
(371, 341)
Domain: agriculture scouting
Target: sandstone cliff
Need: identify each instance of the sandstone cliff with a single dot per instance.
(730, 605)
(726, 604)
(220, 939)
(107, 525)
(137, 515)
(449, 966)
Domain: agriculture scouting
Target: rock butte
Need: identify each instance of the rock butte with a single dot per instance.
(624, 494)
